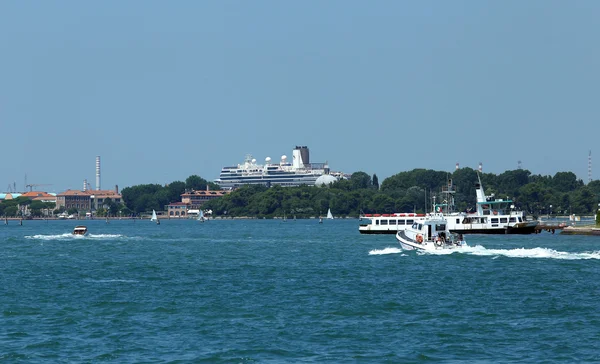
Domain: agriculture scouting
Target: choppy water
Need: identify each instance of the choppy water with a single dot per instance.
(295, 291)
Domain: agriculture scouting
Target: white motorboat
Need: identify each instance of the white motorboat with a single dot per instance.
(80, 230)
(431, 233)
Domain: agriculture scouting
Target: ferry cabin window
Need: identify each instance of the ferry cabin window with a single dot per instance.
(415, 226)
(376, 222)
(503, 220)
(494, 220)
(512, 219)
(384, 222)
(392, 222)
(401, 222)
(520, 219)
(458, 221)
(440, 227)
(420, 226)
(409, 222)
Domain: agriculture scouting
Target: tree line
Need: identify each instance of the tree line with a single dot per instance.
(409, 191)
(412, 191)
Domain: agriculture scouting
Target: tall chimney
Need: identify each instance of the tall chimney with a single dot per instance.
(84, 185)
(98, 173)
(117, 189)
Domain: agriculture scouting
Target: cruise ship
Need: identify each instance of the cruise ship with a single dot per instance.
(299, 172)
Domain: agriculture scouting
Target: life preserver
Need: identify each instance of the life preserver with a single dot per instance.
(439, 242)
(419, 238)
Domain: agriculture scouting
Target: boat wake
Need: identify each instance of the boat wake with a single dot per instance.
(539, 253)
(386, 251)
(70, 236)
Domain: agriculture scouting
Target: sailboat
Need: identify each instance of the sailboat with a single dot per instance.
(329, 214)
(155, 218)
(201, 216)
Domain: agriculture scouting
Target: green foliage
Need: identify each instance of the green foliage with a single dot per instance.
(598, 217)
(408, 191)
(360, 180)
(11, 211)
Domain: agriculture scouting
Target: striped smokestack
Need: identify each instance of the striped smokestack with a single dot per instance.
(98, 173)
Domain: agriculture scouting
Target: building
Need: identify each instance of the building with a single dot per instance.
(192, 200)
(40, 196)
(88, 200)
(177, 209)
(100, 197)
(196, 199)
(81, 200)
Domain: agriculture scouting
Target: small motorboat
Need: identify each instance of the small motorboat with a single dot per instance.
(429, 234)
(80, 230)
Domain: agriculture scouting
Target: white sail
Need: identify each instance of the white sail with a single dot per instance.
(154, 218)
(201, 216)
(329, 214)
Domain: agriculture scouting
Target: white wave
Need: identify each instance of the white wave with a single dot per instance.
(385, 251)
(104, 236)
(70, 236)
(111, 281)
(543, 253)
(64, 236)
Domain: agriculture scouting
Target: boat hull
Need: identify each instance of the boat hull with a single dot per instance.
(528, 229)
(378, 231)
(409, 244)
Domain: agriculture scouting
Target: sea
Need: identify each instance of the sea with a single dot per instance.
(295, 291)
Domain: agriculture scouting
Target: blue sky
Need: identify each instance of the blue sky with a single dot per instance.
(163, 90)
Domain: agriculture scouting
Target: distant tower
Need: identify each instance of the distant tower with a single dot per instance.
(480, 167)
(98, 173)
(85, 185)
(519, 166)
(590, 167)
(457, 166)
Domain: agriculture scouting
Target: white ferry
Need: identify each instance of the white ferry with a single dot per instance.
(387, 223)
(299, 172)
(492, 215)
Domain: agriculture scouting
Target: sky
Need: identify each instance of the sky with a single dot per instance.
(164, 90)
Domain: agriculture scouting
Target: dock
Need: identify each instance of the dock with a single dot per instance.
(581, 230)
(550, 227)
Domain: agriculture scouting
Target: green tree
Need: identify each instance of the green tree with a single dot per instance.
(375, 181)
(196, 183)
(566, 182)
(175, 190)
(360, 180)
(11, 211)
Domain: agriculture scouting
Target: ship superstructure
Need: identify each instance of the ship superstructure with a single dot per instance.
(299, 172)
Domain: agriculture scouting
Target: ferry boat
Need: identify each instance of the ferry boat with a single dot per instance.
(492, 215)
(387, 223)
(299, 172)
